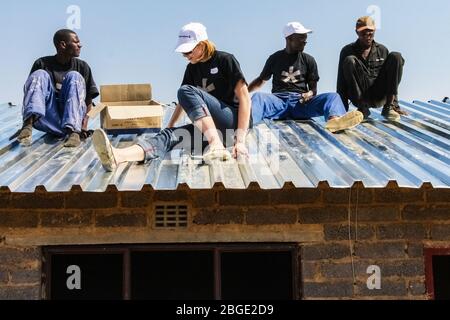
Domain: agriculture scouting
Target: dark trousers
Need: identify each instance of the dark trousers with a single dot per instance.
(364, 89)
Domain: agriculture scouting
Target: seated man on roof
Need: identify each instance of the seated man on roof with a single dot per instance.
(368, 75)
(294, 93)
(58, 93)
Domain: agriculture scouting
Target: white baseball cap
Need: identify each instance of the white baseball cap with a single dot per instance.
(295, 27)
(190, 36)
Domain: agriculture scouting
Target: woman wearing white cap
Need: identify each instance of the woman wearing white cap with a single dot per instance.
(213, 94)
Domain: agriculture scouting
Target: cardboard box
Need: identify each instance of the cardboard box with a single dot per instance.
(128, 109)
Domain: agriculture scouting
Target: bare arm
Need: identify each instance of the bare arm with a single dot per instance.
(175, 116)
(256, 84)
(243, 96)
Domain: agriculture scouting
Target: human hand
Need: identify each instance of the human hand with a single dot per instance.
(240, 151)
(305, 97)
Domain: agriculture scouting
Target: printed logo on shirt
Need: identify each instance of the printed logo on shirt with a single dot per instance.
(291, 76)
(205, 86)
(381, 59)
(215, 71)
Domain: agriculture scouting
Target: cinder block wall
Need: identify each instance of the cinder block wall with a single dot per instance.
(20, 273)
(390, 229)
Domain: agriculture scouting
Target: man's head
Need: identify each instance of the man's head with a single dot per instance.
(296, 35)
(365, 29)
(67, 43)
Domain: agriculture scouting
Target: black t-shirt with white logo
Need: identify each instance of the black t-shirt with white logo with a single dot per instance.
(218, 76)
(291, 72)
(58, 71)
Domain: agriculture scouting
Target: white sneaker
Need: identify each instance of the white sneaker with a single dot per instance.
(104, 150)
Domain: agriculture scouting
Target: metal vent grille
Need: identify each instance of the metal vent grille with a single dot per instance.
(171, 217)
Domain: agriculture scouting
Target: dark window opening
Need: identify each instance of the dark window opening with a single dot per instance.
(257, 276)
(172, 275)
(441, 275)
(87, 277)
(172, 272)
(437, 262)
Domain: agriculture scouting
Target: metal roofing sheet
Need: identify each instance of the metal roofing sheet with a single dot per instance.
(411, 152)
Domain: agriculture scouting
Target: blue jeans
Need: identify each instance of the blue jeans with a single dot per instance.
(286, 105)
(55, 115)
(197, 104)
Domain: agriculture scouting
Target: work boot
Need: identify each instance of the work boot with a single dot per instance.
(400, 111)
(390, 114)
(347, 121)
(73, 141)
(390, 111)
(25, 135)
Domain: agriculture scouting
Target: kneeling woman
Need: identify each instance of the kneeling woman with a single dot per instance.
(213, 94)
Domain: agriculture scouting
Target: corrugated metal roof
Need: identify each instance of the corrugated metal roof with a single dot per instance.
(411, 152)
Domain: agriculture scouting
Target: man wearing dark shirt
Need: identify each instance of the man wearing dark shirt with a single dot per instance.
(58, 93)
(294, 93)
(368, 75)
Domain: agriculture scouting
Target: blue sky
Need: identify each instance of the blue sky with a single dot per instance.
(133, 42)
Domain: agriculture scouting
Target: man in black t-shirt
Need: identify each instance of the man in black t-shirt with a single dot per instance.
(58, 93)
(368, 75)
(294, 92)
